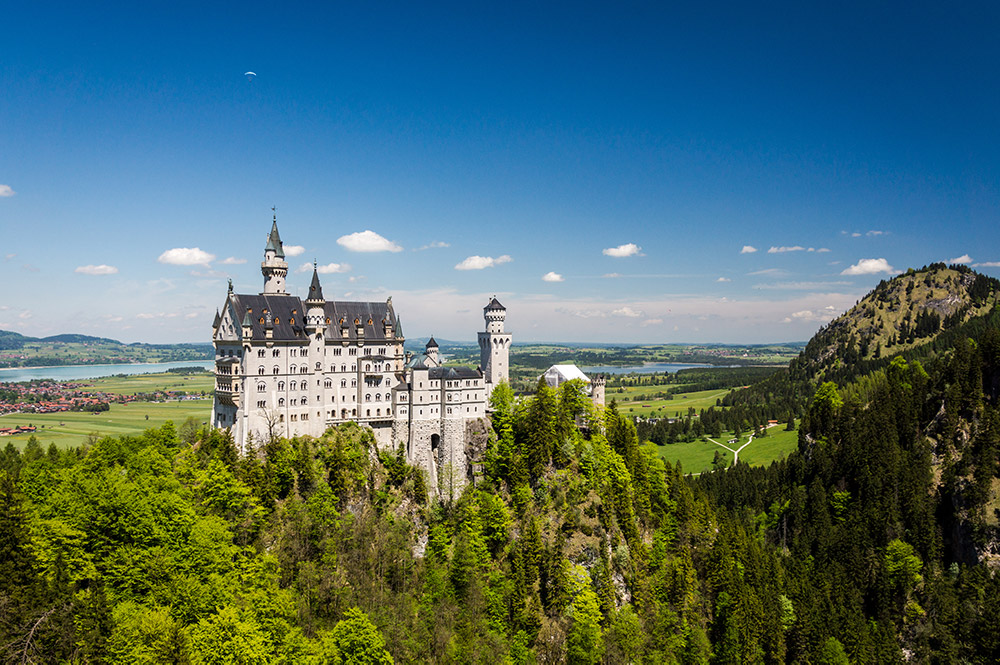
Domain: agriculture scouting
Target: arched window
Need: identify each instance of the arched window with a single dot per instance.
(281, 401)
(275, 369)
(260, 353)
(368, 412)
(281, 418)
(281, 385)
(319, 367)
(343, 368)
(378, 397)
(260, 370)
(368, 397)
(388, 397)
(261, 387)
(368, 367)
(328, 383)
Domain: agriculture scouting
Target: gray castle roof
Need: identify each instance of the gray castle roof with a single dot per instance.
(452, 373)
(431, 344)
(494, 304)
(287, 317)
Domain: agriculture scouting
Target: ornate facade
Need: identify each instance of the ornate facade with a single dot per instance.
(291, 367)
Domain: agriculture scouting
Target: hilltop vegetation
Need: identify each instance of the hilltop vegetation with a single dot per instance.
(17, 350)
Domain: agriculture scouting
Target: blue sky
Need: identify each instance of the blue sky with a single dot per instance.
(604, 169)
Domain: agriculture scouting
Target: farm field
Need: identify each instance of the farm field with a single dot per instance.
(147, 383)
(661, 406)
(73, 428)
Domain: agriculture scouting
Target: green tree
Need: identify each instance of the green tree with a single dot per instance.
(585, 641)
(229, 637)
(355, 640)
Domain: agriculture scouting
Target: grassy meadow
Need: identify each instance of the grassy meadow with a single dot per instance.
(661, 406)
(697, 456)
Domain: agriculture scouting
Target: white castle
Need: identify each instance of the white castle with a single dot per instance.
(288, 367)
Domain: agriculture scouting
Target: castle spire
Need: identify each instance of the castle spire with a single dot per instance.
(274, 240)
(315, 289)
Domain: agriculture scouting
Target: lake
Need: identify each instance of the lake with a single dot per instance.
(77, 372)
(647, 368)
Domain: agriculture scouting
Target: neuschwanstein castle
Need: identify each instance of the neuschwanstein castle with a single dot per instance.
(287, 366)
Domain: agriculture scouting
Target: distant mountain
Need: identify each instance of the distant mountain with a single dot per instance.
(17, 350)
(79, 339)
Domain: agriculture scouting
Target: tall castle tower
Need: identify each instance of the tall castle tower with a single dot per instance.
(274, 266)
(494, 346)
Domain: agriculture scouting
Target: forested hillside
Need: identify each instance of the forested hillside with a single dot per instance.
(877, 541)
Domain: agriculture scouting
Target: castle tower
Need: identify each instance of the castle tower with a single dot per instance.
(597, 386)
(431, 350)
(494, 346)
(274, 266)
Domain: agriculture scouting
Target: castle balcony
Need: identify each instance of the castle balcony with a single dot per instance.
(227, 393)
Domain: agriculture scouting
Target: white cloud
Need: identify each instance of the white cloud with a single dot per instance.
(876, 233)
(621, 251)
(191, 315)
(964, 258)
(748, 249)
(233, 261)
(5, 191)
(987, 264)
(855, 235)
(367, 241)
(822, 250)
(328, 269)
(612, 275)
(97, 270)
(293, 250)
(628, 311)
(782, 250)
(479, 262)
(24, 316)
(869, 267)
(768, 271)
(800, 286)
(8, 257)
(332, 268)
(552, 277)
(651, 322)
(723, 279)
(819, 316)
(186, 256)
(438, 244)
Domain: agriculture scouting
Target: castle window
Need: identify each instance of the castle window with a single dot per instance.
(354, 383)
(368, 351)
(293, 352)
(354, 412)
(275, 369)
(378, 412)
(336, 352)
(328, 384)
(260, 370)
(276, 353)
(261, 387)
(305, 416)
(368, 397)
(368, 412)
(281, 418)
(343, 383)
(387, 397)
(281, 385)
(319, 367)
(281, 401)
(352, 351)
(260, 353)
(368, 368)
(378, 397)
(293, 417)
(343, 368)
(261, 404)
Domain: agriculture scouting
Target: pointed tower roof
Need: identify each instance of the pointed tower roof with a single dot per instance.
(431, 344)
(218, 319)
(398, 327)
(495, 304)
(315, 288)
(246, 320)
(274, 240)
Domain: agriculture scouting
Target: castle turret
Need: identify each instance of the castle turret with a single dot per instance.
(597, 386)
(274, 267)
(494, 345)
(432, 351)
(315, 315)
